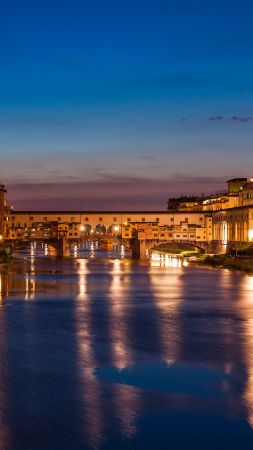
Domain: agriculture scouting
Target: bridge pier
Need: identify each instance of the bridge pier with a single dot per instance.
(62, 247)
(139, 248)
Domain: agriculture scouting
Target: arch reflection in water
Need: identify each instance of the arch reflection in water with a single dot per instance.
(121, 349)
(167, 291)
(126, 399)
(167, 260)
(30, 287)
(91, 405)
(82, 281)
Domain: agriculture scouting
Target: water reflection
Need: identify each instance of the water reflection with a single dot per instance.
(162, 259)
(126, 405)
(92, 413)
(245, 310)
(108, 346)
(167, 291)
(4, 431)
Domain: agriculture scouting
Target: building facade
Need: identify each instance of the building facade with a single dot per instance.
(2, 209)
(233, 225)
(44, 224)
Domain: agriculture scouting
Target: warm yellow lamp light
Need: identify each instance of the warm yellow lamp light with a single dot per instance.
(250, 235)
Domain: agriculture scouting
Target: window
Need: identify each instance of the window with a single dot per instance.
(100, 219)
(72, 219)
(45, 219)
(186, 219)
(157, 219)
(13, 219)
(59, 219)
(129, 219)
(143, 219)
(172, 220)
(115, 219)
(86, 219)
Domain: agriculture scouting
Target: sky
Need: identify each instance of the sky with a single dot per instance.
(108, 104)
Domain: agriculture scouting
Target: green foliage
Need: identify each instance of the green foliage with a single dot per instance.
(230, 262)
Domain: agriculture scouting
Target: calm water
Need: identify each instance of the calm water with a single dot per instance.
(101, 352)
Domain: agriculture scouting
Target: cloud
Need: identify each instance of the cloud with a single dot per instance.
(220, 118)
(241, 119)
(215, 118)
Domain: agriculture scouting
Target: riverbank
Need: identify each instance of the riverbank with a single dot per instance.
(244, 264)
(239, 259)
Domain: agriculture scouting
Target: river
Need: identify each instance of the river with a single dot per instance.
(99, 351)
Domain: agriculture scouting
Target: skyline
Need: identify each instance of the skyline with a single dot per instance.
(119, 106)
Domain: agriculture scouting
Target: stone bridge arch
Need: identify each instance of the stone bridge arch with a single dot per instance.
(114, 229)
(146, 246)
(100, 228)
(179, 245)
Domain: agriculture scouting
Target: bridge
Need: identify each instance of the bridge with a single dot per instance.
(138, 231)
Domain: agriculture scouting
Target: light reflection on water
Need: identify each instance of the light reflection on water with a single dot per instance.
(167, 260)
(102, 352)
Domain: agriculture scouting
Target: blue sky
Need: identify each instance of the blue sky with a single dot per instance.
(122, 103)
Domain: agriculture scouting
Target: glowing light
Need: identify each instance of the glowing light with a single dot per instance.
(1, 237)
(116, 228)
(250, 235)
(82, 228)
(225, 233)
